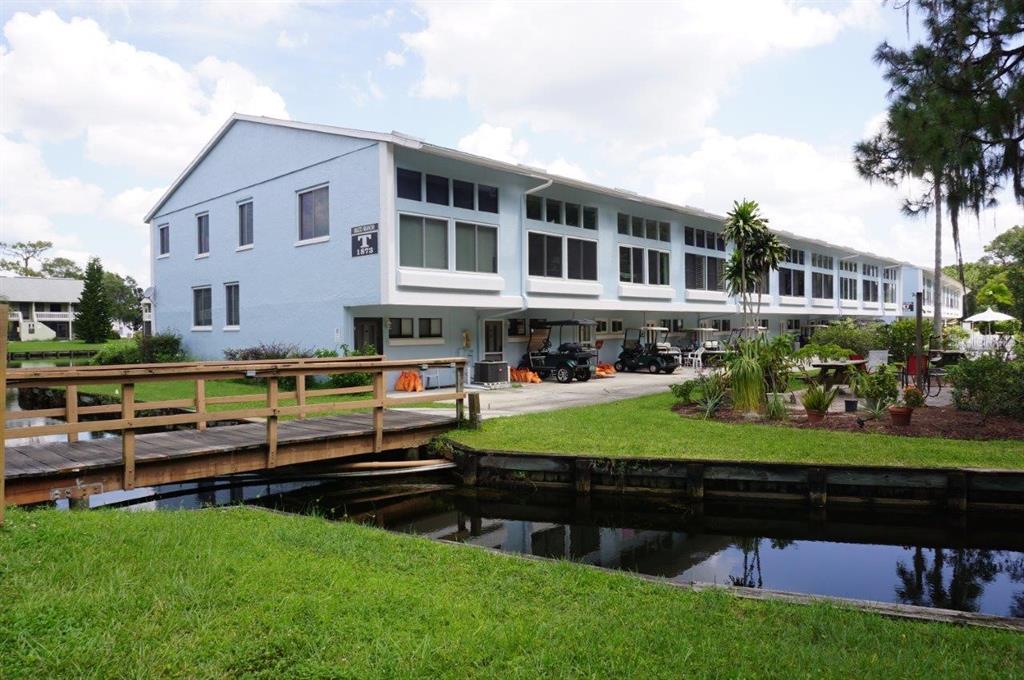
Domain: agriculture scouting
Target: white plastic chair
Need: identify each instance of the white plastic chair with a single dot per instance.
(695, 359)
(876, 358)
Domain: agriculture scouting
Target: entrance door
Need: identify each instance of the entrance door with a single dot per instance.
(368, 332)
(494, 331)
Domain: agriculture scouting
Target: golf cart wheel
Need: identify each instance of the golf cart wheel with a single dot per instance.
(619, 367)
(583, 374)
(563, 374)
(654, 367)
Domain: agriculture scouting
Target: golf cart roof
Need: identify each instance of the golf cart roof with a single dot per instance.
(567, 322)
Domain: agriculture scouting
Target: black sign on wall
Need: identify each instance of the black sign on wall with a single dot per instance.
(364, 240)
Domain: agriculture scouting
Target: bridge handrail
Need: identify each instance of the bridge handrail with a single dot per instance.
(270, 408)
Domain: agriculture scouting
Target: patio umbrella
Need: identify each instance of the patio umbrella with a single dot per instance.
(989, 315)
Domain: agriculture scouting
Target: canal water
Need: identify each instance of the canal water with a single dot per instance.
(971, 564)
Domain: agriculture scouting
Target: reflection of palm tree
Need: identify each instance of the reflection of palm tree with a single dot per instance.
(751, 577)
(922, 584)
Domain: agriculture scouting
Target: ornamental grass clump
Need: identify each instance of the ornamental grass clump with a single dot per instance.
(747, 378)
(817, 400)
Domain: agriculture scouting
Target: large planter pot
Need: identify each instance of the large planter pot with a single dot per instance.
(851, 405)
(900, 415)
(814, 416)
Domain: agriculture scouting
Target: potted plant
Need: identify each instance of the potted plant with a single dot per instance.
(879, 386)
(855, 381)
(903, 409)
(816, 401)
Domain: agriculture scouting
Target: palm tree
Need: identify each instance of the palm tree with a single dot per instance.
(756, 251)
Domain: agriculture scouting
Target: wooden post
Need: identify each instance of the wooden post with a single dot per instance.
(474, 410)
(582, 475)
(460, 378)
(378, 410)
(6, 315)
(128, 434)
(200, 402)
(300, 393)
(272, 422)
(956, 492)
(817, 487)
(71, 409)
(695, 480)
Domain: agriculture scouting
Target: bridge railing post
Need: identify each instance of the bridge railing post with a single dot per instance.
(272, 422)
(300, 394)
(460, 384)
(201, 402)
(379, 393)
(5, 315)
(128, 434)
(71, 409)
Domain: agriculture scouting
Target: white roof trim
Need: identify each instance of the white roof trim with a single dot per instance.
(408, 141)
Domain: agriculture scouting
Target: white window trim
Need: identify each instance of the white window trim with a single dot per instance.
(449, 242)
(240, 202)
(565, 257)
(202, 256)
(298, 215)
(453, 250)
(230, 329)
(647, 266)
(163, 257)
(242, 249)
(192, 311)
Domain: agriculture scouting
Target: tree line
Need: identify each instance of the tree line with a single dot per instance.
(107, 297)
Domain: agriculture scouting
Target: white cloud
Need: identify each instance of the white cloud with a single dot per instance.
(648, 72)
(394, 59)
(364, 91)
(131, 205)
(28, 186)
(65, 79)
(287, 41)
(499, 143)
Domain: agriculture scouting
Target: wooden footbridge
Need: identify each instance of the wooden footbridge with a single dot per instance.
(177, 440)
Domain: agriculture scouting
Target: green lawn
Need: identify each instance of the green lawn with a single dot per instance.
(54, 346)
(247, 593)
(646, 426)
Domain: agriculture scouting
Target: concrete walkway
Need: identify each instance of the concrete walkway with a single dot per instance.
(550, 395)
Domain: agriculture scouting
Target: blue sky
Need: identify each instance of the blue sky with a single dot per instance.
(700, 103)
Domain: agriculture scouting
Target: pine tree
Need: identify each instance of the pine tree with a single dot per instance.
(92, 321)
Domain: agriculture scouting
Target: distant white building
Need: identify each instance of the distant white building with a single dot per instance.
(40, 309)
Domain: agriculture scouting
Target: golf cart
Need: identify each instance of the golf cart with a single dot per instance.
(648, 348)
(569, 360)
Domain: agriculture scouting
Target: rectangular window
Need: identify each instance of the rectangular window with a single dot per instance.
(704, 272)
(652, 229)
(516, 328)
(847, 266)
(889, 291)
(582, 256)
(400, 327)
(821, 286)
(534, 207)
(245, 224)
(314, 220)
(430, 328)
(589, 217)
(631, 264)
(870, 271)
(572, 214)
(701, 234)
(638, 226)
(462, 194)
(553, 211)
(688, 236)
(870, 290)
(847, 288)
(657, 267)
(794, 256)
(486, 198)
(601, 327)
(821, 261)
(202, 307)
(615, 325)
(624, 224)
(232, 315)
(791, 282)
(410, 184)
(437, 190)
(545, 255)
(476, 248)
(422, 242)
(202, 234)
(164, 236)
(664, 232)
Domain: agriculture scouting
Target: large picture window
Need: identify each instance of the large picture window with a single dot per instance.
(631, 264)
(476, 248)
(423, 242)
(821, 286)
(545, 255)
(314, 214)
(791, 282)
(582, 259)
(847, 288)
(870, 290)
(657, 268)
(202, 307)
(704, 272)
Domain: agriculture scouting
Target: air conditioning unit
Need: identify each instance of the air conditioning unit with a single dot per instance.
(490, 372)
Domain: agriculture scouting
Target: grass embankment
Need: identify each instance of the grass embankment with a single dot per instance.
(248, 593)
(54, 346)
(647, 426)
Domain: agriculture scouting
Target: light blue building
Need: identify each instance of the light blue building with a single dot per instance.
(324, 236)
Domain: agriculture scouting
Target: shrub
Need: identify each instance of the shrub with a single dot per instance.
(266, 350)
(899, 338)
(118, 352)
(859, 339)
(823, 352)
(912, 397)
(952, 336)
(775, 409)
(684, 391)
(817, 398)
(711, 387)
(747, 378)
(346, 379)
(160, 348)
(879, 387)
(989, 386)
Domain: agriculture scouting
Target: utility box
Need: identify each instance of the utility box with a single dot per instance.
(490, 372)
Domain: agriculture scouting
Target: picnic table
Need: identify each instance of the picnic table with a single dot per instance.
(834, 372)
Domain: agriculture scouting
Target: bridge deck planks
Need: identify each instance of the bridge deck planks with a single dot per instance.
(57, 458)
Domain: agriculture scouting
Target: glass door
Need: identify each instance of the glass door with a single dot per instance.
(493, 340)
